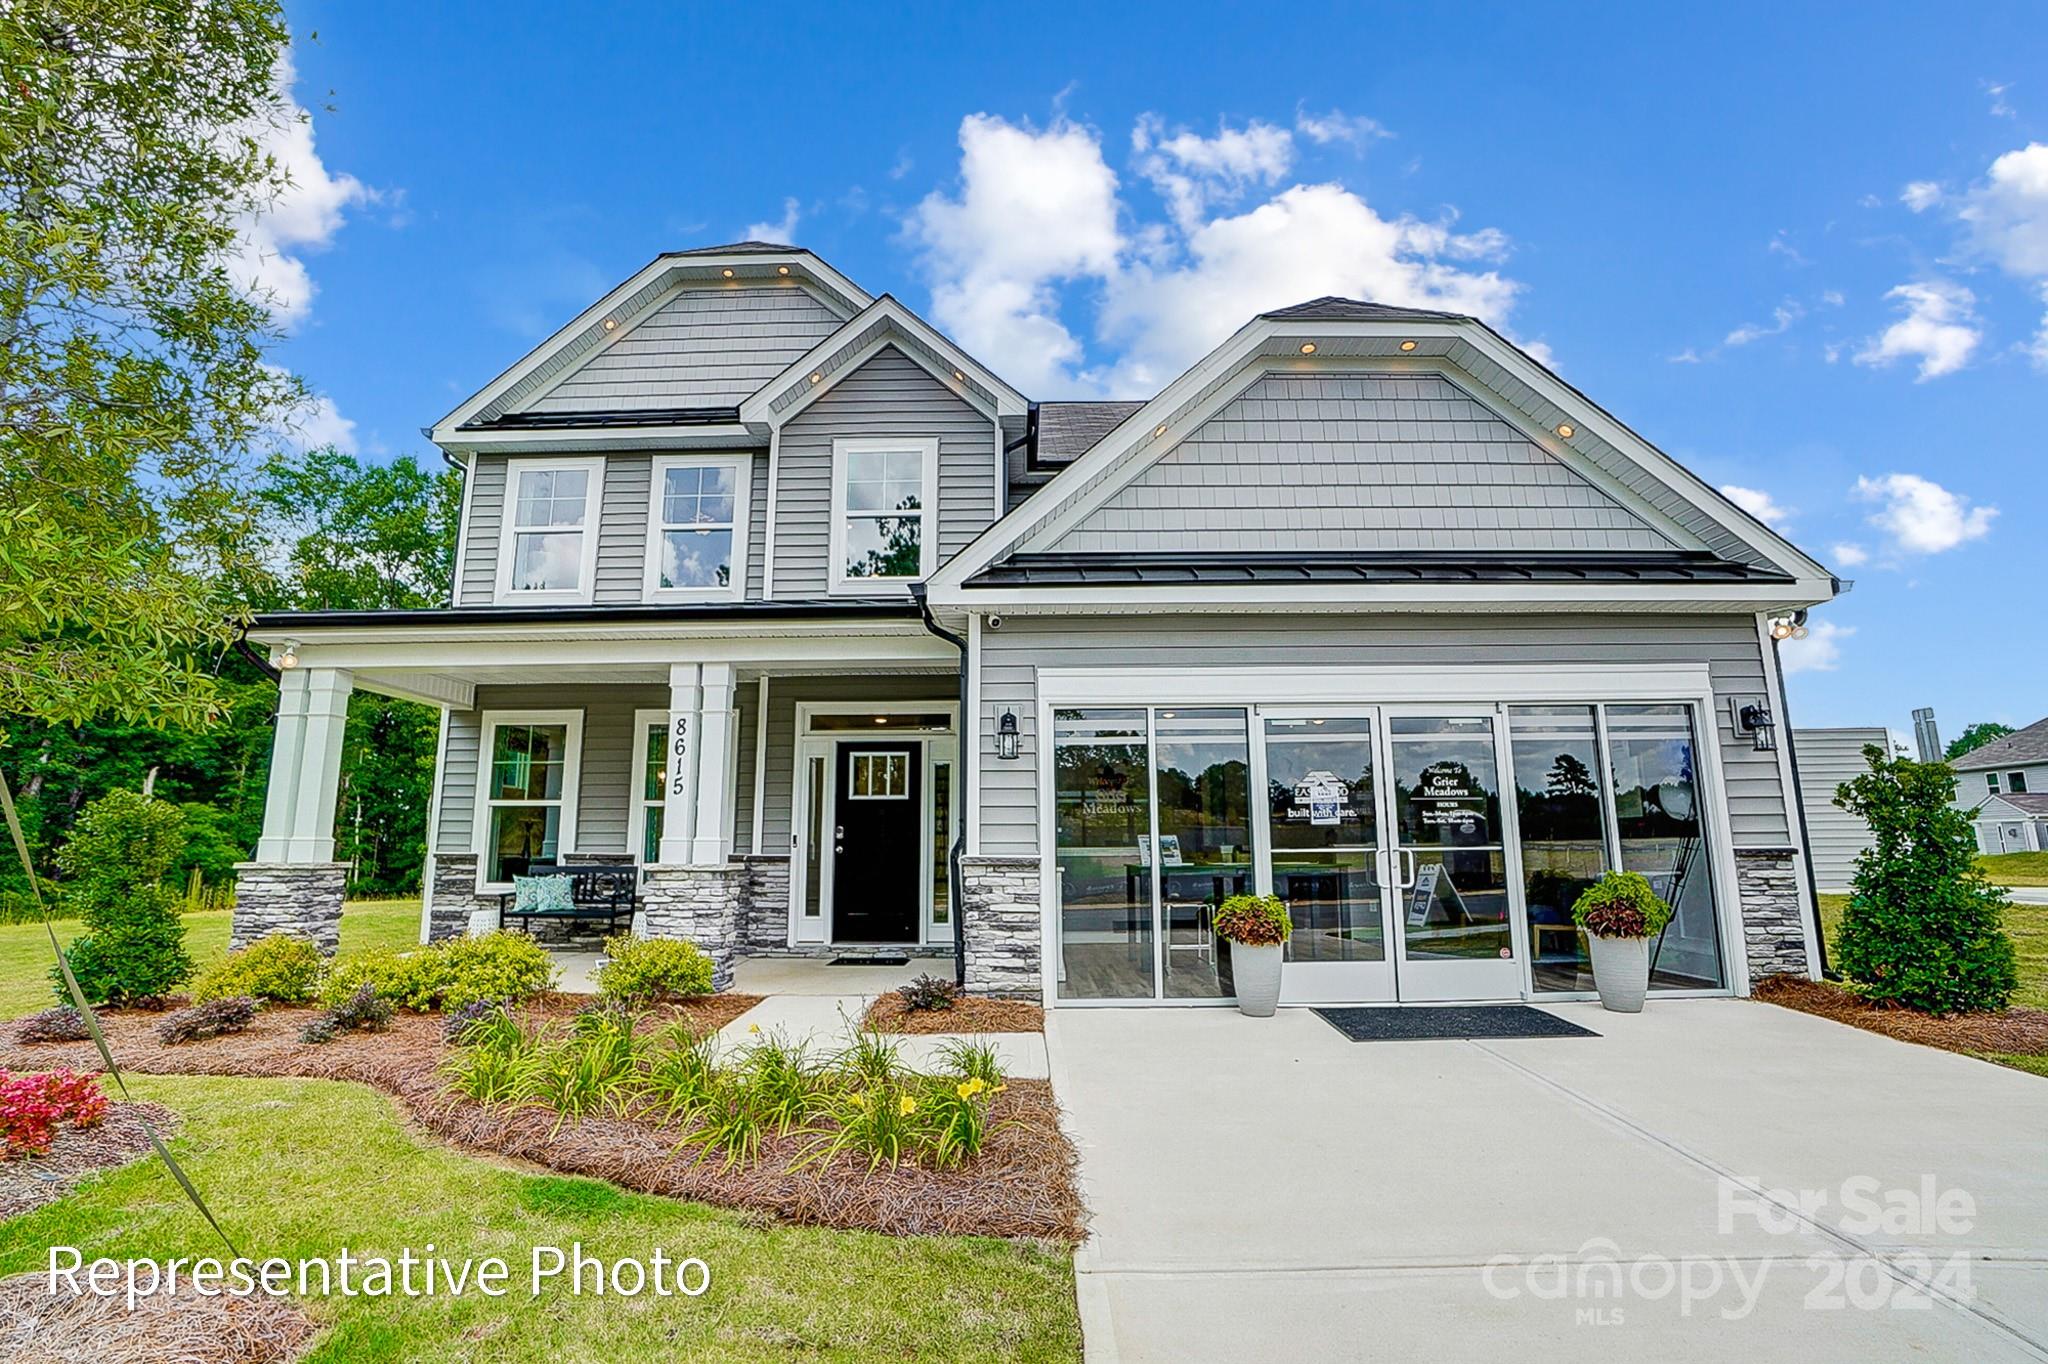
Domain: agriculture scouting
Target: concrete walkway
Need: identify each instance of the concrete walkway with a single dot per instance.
(1267, 1190)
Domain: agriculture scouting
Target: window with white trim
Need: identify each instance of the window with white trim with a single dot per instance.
(697, 527)
(2016, 782)
(548, 550)
(1991, 782)
(650, 767)
(884, 512)
(526, 792)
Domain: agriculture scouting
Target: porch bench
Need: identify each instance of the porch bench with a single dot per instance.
(599, 893)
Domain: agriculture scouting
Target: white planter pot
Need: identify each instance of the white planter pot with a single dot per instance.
(1621, 968)
(1257, 973)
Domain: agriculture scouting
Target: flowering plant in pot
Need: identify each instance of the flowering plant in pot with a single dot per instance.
(1621, 913)
(1256, 927)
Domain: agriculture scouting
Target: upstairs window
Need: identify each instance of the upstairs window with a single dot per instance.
(549, 547)
(697, 528)
(884, 522)
(1991, 782)
(2016, 782)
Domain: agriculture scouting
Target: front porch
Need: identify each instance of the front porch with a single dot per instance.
(794, 794)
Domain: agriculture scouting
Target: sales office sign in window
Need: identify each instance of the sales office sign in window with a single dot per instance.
(1321, 798)
(1448, 793)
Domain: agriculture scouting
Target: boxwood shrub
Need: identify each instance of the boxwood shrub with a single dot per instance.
(640, 971)
(281, 968)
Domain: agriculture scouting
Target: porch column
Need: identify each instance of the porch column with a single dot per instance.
(714, 765)
(294, 885)
(679, 793)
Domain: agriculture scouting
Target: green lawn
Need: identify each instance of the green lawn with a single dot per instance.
(2027, 925)
(25, 958)
(2017, 869)
(290, 1166)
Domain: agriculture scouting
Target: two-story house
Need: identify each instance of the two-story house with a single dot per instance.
(2004, 785)
(769, 587)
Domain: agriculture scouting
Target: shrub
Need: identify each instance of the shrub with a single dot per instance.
(61, 1024)
(319, 1032)
(363, 1011)
(642, 971)
(31, 1107)
(1621, 904)
(929, 992)
(281, 968)
(387, 973)
(115, 859)
(510, 968)
(1922, 927)
(1254, 920)
(211, 1019)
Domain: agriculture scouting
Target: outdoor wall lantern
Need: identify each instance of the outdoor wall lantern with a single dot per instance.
(1006, 736)
(1757, 720)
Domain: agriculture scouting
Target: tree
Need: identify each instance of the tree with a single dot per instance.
(134, 943)
(1922, 925)
(132, 378)
(1570, 777)
(1976, 736)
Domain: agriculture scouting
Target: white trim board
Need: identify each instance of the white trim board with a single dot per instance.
(838, 355)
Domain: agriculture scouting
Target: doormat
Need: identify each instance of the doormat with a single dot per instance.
(1408, 1024)
(869, 961)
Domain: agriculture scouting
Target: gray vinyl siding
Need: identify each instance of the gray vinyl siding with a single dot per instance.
(784, 694)
(1358, 461)
(620, 577)
(1827, 758)
(1755, 801)
(889, 395)
(708, 346)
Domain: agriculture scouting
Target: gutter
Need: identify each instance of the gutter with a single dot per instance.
(954, 879)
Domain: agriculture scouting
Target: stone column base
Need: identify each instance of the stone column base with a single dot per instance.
(1774, 922)
(455, 900)
(705, 905)
(301, 898)
(1001, 924)
(765, 926)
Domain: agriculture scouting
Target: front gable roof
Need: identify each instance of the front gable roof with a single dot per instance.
(1338, 336)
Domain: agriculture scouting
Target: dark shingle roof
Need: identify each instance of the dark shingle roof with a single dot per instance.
(743, 249)
(1067, 431)
(2029, 745)
(1330, 308)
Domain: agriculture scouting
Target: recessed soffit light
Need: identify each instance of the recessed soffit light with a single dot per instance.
(1407, 345)
(1567, 430)
(1308, 348)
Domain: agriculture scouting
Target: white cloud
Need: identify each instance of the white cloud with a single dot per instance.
(1781, 245)
(1759, 504)
(1921, 195)
(315, 423)
(303, 217)
(2038, 347)
(1036, 209)
(1920, 516)
(1939, 327)
(1996, 91)
(1355, 130)
(1688, 356)
(1819, 652)
(2008, 214)
(1849, 554)
(782, 231)
(1782, 317)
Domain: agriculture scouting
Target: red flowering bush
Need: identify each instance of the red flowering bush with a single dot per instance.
(31, 1107)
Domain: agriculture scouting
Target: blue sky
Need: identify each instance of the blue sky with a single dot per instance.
(1803, 250)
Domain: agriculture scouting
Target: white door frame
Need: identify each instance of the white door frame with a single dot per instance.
(934, 746)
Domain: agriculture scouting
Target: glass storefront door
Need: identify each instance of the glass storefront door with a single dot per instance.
(1324, 829)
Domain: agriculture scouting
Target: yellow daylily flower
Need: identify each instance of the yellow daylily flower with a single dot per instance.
(906, 1106)
(998, 1089)
(753, 1027)
(970, 1088)
(859, 1100)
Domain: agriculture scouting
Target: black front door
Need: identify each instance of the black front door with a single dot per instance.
(876, 843)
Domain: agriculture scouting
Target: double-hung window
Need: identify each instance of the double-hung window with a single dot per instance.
(548, 551)
(697, 527)
(526, 795)
(884, 513)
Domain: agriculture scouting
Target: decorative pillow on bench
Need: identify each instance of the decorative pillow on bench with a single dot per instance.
(542, 895)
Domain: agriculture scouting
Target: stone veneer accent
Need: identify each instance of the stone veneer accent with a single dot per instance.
(1773, 919)
(455, 897)
(302, 898)
(1000, 922)
(764, 920)
(705, 905)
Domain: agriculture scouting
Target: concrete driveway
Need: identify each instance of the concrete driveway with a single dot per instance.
(1267, 1190)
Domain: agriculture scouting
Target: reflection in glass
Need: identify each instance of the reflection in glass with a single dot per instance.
(1447, 823)
(1102, 825)
(1325, 831)
(1564, 846)
(1205, 853)
(1656, 807)
(652, 779)
(522, 835)
(814, 836)
(942, 841)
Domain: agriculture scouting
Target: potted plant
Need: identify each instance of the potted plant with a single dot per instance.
(1256, 927)
(1620, 914)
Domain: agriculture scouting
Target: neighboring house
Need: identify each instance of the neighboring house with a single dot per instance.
(767, 586)
(2010, 824)
(1826, 758)
(2004, 784)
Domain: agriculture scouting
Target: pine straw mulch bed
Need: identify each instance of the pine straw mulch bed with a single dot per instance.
(38, 1327)
(31, 1181)
(969, 1014)
(2018, 1030)
(1022, 1184)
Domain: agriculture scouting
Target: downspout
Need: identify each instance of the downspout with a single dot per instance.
(954, 881)
(248, 651)
(1820, 937)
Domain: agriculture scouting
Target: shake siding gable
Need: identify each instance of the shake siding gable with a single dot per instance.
(1358, 461)
(889, 395)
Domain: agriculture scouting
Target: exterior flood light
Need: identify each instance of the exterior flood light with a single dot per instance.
(1789, 627)
(290, 657)
(1006, 736)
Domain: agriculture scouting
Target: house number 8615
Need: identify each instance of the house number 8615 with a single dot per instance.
(678, 750)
